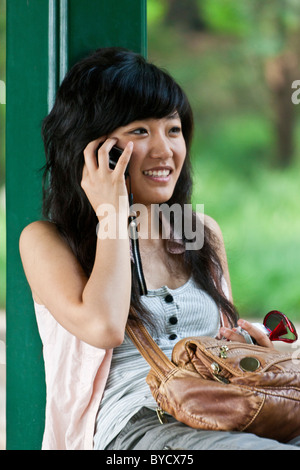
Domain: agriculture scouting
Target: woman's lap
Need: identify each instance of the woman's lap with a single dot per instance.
(144, 432)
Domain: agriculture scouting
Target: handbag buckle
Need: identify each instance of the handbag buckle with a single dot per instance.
(223, 352)
(215, 372)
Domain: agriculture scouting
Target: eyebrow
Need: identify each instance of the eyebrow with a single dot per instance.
(174, 115)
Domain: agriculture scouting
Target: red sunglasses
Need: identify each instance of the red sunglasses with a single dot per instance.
(280, 328)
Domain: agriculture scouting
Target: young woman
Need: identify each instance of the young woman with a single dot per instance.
(84, 282)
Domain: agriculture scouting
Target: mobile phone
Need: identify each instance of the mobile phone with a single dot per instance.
(114, 156)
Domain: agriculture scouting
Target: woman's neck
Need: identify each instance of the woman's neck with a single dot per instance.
(148, 228)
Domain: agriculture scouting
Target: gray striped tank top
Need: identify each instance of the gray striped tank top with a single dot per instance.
(181, 312)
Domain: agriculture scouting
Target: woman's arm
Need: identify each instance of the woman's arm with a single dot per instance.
(231, 334)
(95, 309)
(214, 227)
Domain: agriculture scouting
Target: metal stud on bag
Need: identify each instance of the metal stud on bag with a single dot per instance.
(249, 364)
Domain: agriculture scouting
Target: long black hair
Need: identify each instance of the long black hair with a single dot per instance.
(108, 89)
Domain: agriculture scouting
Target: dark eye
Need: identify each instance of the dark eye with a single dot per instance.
(175, 130)
(139, 131)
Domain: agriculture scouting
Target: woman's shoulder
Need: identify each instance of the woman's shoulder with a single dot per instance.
(38, 225)
(37, 232)
(39, 239)
(36, 240)
(213, 225)
(45, 256)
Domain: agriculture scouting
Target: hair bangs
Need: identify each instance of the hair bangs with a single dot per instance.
(155, 96)
(137, 93)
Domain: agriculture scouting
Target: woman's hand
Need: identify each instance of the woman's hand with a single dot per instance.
(101, 184)
(233, 335)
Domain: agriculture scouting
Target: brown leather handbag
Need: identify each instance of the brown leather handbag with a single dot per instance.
(223, 385)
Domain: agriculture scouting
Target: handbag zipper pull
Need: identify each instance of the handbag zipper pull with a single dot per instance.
(161, 416)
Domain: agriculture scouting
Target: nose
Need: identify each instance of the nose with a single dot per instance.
(160, 148)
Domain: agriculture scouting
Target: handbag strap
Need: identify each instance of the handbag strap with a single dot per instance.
(148, 348)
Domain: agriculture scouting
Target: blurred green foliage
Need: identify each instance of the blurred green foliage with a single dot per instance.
(253, 195)
(2, 256)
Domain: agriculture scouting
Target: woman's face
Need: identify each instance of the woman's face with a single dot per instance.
(158, 155)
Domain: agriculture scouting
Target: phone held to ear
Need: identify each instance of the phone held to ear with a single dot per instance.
(114, 156)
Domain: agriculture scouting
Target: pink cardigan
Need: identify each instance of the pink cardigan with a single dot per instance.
(76, 375)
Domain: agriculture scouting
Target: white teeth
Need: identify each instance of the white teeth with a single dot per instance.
(162, 173)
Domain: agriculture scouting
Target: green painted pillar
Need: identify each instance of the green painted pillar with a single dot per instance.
(44, 38)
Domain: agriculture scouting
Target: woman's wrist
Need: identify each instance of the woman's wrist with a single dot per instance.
(112, 225)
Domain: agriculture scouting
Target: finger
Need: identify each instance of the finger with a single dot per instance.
(124, 160)
(261, 338)
(103, 153)
(90, 157)
(84, 172)
(231, 335)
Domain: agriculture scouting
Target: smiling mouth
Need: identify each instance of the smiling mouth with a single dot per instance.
(157, 173)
